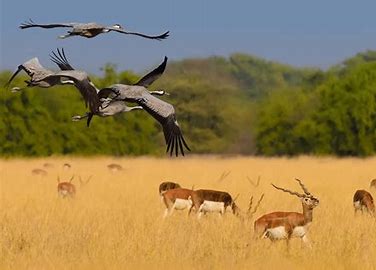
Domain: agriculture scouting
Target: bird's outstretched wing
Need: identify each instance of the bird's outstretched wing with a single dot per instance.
(164, 113)
(83, 84)
(158, 37)
(31, 67)
(30, 23)
(152, 76)
(60, 59)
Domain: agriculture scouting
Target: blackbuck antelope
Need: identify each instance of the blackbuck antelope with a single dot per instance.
(66, 189)
(207, 201)
(40, 172)
(164, 186)
(286, 225)
(177, 199)
(363, 201)
(113, 167)
(372, 185)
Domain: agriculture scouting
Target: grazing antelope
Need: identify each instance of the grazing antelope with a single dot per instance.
(164, 186)
(40, 172)
(286, 225)
(177, 199)
(372, 185)
(363, 200)
(66, 166)
(66, 189)
(113, 167)
(205, 201)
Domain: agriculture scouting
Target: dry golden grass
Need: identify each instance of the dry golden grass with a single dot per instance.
(115, 222)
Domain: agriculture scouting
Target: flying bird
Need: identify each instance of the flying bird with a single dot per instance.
(160, 110)
(107, 106)
(39, 76)
(90, 30)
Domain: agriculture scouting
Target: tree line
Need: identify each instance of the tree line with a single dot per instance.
(241, 104)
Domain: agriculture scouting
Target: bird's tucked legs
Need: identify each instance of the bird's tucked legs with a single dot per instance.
(79, 117)
(65, 36)
(16, 89)
(135, 108)
(159, 93)
(67, 82)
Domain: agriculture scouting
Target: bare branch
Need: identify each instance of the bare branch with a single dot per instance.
(223, 176)
(258, 204)
(253, 183)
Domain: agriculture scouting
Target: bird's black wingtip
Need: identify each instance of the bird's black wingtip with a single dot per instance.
(90, 116)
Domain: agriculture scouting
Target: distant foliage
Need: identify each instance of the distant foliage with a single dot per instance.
(241, 104)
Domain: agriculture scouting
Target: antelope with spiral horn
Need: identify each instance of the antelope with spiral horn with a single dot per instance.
(287, 225)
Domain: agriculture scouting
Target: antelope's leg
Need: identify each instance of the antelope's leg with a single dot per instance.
(306, 241)
(165, 213)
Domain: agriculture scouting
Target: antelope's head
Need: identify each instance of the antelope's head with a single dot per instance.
(307, 198)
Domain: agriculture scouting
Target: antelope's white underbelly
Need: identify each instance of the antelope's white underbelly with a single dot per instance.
(281, 233)
(299, 231)
(181, 204)
(357, 205)
(276, 233)
(210, 206)
(63, 192)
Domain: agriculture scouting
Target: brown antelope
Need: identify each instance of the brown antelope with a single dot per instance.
(205, 201)
(363, 201)
(164, 186)
(177, 199)
(66, 189)
(286, 225)
(372, 185)
(113, 167)
(40, 172)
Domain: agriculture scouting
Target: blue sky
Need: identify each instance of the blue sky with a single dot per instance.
(316, 33)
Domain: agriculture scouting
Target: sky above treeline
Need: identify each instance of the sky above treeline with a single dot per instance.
(316, 33)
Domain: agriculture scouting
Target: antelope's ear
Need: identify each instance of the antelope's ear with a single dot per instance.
(58, 179)
(70, 181)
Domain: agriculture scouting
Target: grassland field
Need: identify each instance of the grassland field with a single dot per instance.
(115, 221)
